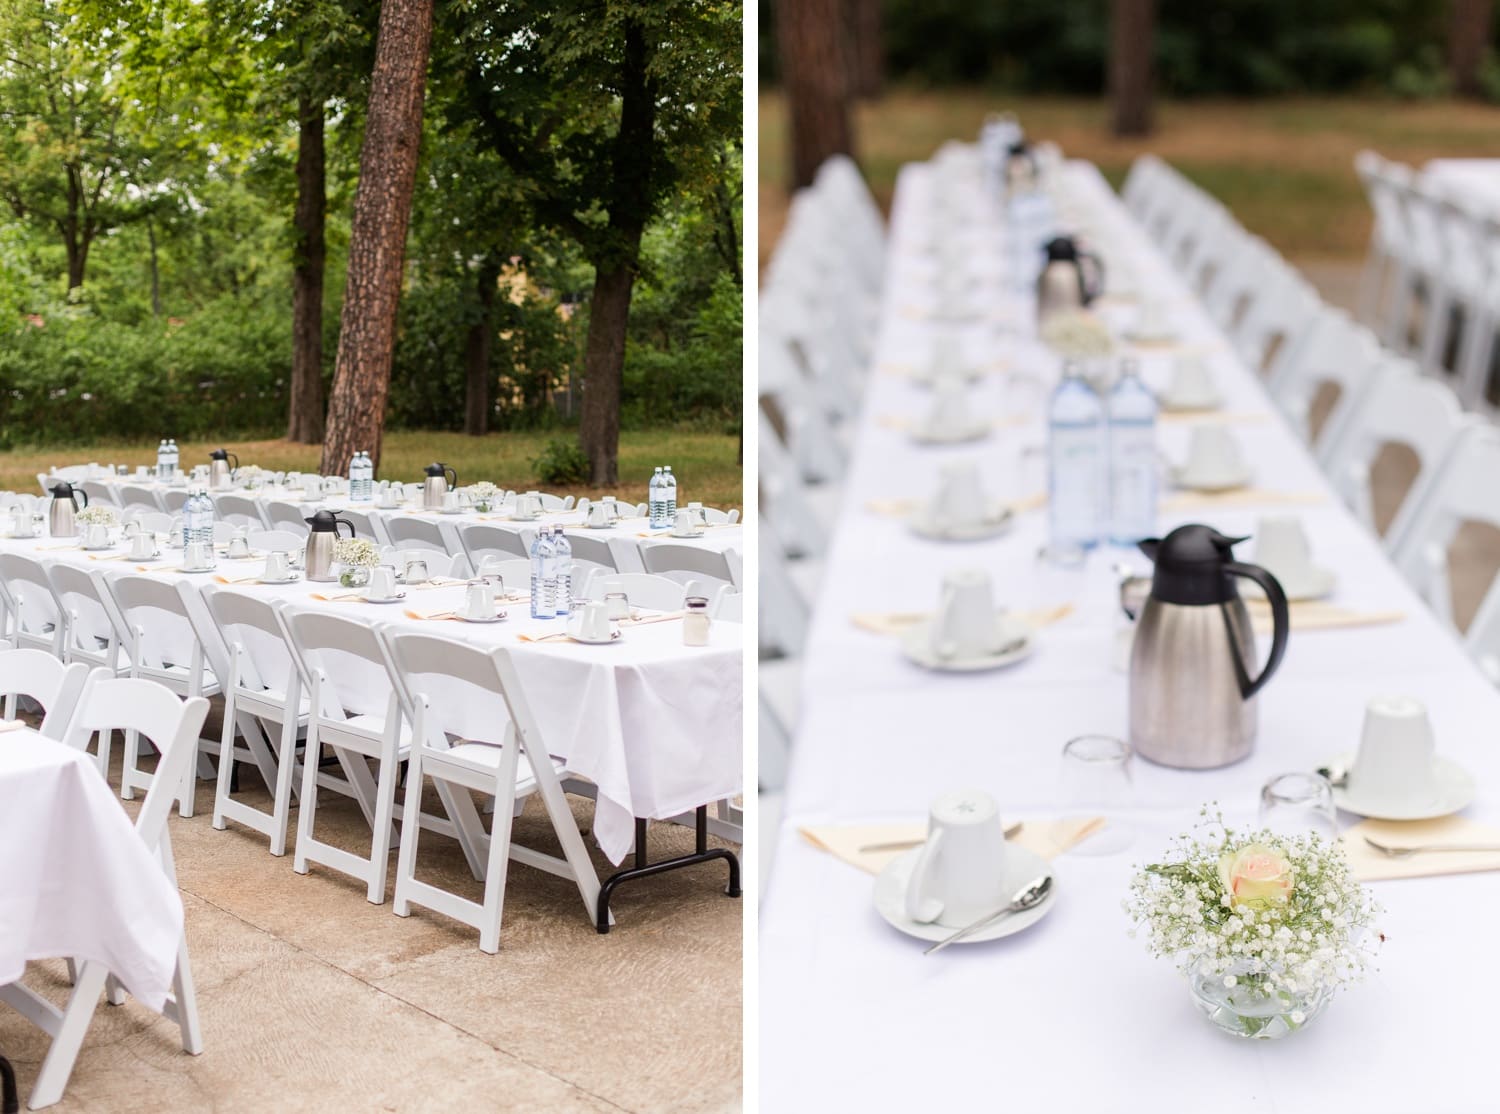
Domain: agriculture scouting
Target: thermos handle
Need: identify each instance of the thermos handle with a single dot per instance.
(916, 889)
(1096, 288)
(1280, 623)
(80, 491)
(337, 522)
(453, 482)
(236, 460)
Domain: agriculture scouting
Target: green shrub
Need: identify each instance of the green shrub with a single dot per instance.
(561, 461)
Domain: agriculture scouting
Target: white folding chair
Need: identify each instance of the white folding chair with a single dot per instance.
(91, 622)
(139, 495)
(406, 531)
(35, 619)
(277, 541)
(172, 725)
(240, 510)
(371, 527)
(39, 676)
(263, 683)
(591, 553)
(657, 593)
(1333, 352)
(281, 515)
(100, 493)
(688, 563)
(438, 561)
(473, 729)
(481, 541)
(173, 498)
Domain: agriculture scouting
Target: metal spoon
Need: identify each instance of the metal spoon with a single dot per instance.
(1030, 895)
(1407, 852)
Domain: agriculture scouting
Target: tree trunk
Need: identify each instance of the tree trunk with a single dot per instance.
(155, 269)
(632, 168)
(477, 355)
(1132, 43)
(304, 423)
(377, 237)
(813, 68)
(866, 40)
(1468, 35)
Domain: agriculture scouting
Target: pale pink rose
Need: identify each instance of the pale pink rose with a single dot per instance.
(1255, 876)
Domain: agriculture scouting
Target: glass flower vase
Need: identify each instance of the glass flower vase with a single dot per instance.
(1247, 1005)
(353, 576)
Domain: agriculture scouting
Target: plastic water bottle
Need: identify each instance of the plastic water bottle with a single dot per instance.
(1076, 480)
(361, 478)
(543, 578)
(654, 506)
(668, 496)
(562, 551)
(173, 459)
(198, 518)
(1131, 408)
(161, 460)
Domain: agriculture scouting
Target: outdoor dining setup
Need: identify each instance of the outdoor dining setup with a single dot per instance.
(437, 653)
(1092, 635)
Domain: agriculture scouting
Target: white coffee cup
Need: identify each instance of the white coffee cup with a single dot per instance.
(96, 536)
(1213, 458)
(142, 547)
(480, 602)
(700, 518)
(960, 495)
(951, 407)
(598, 515)
(594, 623)
(131, 528)
(1152, 320)
(21, 525)
(611, 507)
(966, 624)
(1282, 548)
(960, 874)
(1192, 382)
(311, 485)
(617, 605)
(683, 524)
(198, 555)
(382, 584)
(1394, 766)
(278, 566)
(239, 545)
(450, 501)
(141, 471)
(415, 571)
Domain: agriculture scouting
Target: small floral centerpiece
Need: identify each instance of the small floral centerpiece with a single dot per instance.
(1077, 334)
(484, 494)
(355, 558)
(97, 515)
(251, 476)
(1267, 928)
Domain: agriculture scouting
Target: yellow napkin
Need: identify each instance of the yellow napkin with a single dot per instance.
(1180, 347)
(1319, 615)
(901, 508)
(1369, 865)
(12, 725)
(1214, 415)
(1048, 838)
(1239, 497)
(894, 622)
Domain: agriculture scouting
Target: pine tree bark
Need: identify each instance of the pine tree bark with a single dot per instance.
(477, 355)
(814, 74)
(632, 159)
(304, 423)
(866, 59)
(1132, 44)
(377, 239)
(1468, 36)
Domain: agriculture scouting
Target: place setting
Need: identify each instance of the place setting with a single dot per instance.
(961, 509)
(967, 633)
(1215, 473)
(1396, 774)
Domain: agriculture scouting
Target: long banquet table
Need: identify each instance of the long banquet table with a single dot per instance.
(655, 724)
(1071, 1014)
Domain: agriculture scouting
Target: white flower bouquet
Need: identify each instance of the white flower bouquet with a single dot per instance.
(1267, 928)
(97, 515)
(355, 557)
(1077, 334)
(484, 495)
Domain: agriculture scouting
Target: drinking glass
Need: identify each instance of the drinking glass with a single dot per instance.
(1096, 780)
(1296, 804)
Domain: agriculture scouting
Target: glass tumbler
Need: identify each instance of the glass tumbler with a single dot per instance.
(1296, 804)
(1096, 780)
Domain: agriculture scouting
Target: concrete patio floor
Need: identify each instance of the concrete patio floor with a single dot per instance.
(313, 999)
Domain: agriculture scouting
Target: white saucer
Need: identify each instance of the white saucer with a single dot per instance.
(180, 568)
(1314, 583)
(996, 520)
(591, 526)
(246, 557)
(1455, 791)
(500, 617)
(576, 637)
(1021, 866)
(924, 434)
(698, 533)
(97, 548)
(454, 510)
(287, 580)
(1218, 483)
(1191, 405)
(397, 598)
(916, 644)
(525, 518)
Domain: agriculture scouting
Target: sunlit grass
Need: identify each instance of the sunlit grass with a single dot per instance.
(705, 463)
(1285, 167)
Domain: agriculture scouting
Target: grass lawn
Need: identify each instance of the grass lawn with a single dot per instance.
(1284, 167)
(704, 463)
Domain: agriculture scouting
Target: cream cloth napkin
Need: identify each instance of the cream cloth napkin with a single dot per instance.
(1319, 615)
(1048, 838)
(901, 508)
(11, 725)
(1239, 497)
(1214, 416)
(1369, 865)
(1176, 347)
(895, 622)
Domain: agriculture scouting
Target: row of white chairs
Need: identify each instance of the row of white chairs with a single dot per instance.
(1314, 357)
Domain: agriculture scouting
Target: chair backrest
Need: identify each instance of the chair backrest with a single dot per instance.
(365, 525)
(99, 492)
(93, 623)
(340, 659)
(457, 681)
(1334, 351)
(159, 632)
(241, 510)
(158, 522)
(515, 572)
(439, 562)
(730, 606)
(591, 552)
(36, 619)
(129, 704)
(1403, 408)
(480, 541)
(783, 611)
(53, 685)
(138, 495)
(281, 515)
(686, 562)
(659, 593)
(410, 532)
(173, 498)
(277, 541)
(250, 630)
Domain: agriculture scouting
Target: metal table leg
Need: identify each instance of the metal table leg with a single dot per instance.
(645, 869)
(10, 1099)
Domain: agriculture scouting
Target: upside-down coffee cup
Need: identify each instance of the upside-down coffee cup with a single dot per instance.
(1213, 457)
(594, 624)
(1394, 767)
(966, 624)
(480, 602)
(1192, 382)
(382, 584)
(960, 494)
(1282, 548)
(142, 546)
(278, 566)
(960, 874)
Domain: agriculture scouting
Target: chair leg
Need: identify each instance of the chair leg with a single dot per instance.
(189, 796)
(281, 805)
(132, 758)
(499, 864)
(57, 1067)
(385, 812)
(226, 763)
(309, 805)
(406, 857)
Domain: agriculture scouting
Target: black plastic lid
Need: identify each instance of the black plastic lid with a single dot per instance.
(1190, 565)
(436, 469)
(62, 489)
(1062, 247)
(323, 522)
(219, 454)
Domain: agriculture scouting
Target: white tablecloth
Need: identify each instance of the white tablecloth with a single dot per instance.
(78, 882)
(1072, 1014)
(655, 724)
